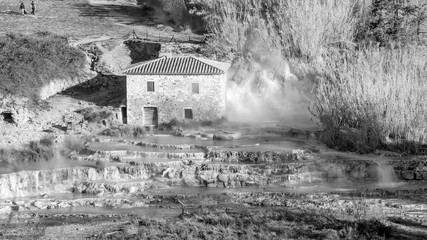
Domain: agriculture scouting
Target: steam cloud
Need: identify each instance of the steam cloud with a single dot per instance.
(261, 88)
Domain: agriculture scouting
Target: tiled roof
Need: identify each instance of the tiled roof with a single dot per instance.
(184, 65)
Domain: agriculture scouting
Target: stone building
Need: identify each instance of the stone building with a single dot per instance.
(184, 88)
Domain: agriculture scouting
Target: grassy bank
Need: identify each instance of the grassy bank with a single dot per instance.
(31, 61)
(273, 223)
(365, 66)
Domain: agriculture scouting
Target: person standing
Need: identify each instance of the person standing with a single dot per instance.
(22, 7)
(33, 8)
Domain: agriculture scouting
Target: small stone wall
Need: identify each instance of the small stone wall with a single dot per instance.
(173, 93)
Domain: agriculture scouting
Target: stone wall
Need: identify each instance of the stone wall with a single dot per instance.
(58, 85)
(173, 93)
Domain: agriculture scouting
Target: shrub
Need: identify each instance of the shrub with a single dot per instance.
(31, 61)
(99, 166)
(115, 159)
(393, 22)
(124, 131)
(173, 124)
(94, 116)
(176, 9)
(73, 145)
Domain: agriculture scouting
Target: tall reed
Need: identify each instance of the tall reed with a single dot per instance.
(298, 28)
(378, 91)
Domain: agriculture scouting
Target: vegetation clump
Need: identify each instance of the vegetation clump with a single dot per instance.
(277, 223)
(389, 22)
(74, 145)
(95, 116)
(124, 131)
(39, 151)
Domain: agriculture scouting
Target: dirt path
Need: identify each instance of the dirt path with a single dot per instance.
(88, 40)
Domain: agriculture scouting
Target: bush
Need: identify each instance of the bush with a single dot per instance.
(31, 61)
(393, 22)
(167, 127)
(94, 116)
(176, 9)
(125, 131)
(99, 166)
(74, 145)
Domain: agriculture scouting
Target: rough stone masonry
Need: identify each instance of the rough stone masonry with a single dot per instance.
(173, 94)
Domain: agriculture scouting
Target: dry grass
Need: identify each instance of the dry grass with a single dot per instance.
(380, 92)
(60, 17)
(124, 131)
(34, 152)
(276, 223)
(73, 145)
(29, 61)
(93, 115)
(299, 28)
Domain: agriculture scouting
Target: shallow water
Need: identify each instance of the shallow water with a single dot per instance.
(114, 146)
(140, 211)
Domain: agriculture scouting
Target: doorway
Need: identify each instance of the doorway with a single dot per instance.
(124, 114)
(150, 116)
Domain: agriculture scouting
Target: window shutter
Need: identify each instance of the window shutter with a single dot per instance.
(195, 87)
(188, 113)
(150, 86)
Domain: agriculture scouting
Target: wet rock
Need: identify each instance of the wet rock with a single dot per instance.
(223, 178)
(208, 181)
(420, 175)
(40, 205)
(19, 203)
(16, 208)
(190, 182)
(64, 205)
(408, 175)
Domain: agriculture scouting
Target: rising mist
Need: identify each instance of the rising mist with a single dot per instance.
(262, 88)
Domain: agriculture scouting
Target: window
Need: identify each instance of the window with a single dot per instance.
(188, 113)
(150, 86)
(195, 87)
